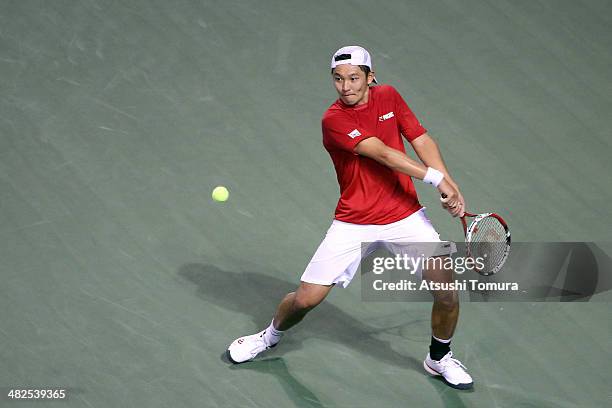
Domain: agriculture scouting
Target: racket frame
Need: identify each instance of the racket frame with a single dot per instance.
(469, 230)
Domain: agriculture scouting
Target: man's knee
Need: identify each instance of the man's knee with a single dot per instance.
(304, 305)
(307, 298)
(447, 299)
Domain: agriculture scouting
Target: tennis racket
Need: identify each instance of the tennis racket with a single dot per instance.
(487, 241)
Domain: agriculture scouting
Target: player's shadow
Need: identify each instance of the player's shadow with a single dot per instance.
(299, 394)
(258, 295)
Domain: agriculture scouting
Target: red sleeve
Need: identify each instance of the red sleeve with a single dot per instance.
(409, 125)
(341, 132)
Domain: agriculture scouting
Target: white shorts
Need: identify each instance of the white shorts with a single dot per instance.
(338, 257)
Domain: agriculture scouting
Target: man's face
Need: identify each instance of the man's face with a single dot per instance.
(351, 84)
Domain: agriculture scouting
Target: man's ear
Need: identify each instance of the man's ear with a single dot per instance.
(370, 77)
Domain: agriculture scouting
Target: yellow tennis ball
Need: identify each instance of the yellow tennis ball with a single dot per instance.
(220, 194)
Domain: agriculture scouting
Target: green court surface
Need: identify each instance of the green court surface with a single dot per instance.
(123, 282)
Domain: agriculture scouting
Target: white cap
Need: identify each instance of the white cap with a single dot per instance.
(354, 55)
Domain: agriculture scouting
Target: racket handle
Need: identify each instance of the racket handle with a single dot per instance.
(465, 213)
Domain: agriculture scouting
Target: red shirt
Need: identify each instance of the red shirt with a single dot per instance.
(371, 193)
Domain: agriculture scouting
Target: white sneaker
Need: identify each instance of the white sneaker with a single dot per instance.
(451, 370)
(247, 348)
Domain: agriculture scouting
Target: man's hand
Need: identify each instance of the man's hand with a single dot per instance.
(462, 202)
(451, 199)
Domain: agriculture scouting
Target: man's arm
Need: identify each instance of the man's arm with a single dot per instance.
(428, 151)
(375, 149)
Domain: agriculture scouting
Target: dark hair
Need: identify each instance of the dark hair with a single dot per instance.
(364, 68)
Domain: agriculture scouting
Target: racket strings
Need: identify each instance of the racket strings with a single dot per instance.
(488, 242)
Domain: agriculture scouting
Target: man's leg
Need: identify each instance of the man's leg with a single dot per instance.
(444, 317)
(289, 312)
(415, 235)
(336, 260)
(445, 309)
(295, 305)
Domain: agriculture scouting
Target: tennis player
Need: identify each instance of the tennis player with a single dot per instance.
(362, 132)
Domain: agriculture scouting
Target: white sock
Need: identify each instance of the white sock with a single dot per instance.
(442, 340)
(271, 335)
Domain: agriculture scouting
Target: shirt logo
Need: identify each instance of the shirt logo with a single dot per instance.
(354, 134)
(385, 116)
